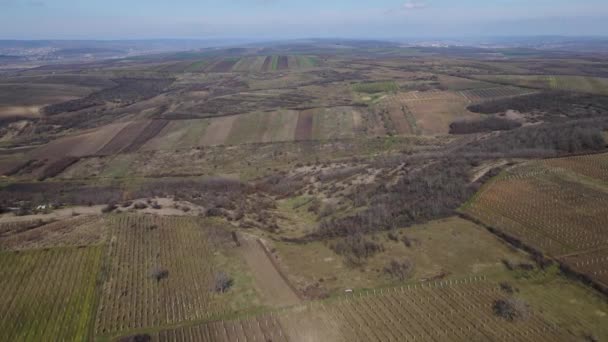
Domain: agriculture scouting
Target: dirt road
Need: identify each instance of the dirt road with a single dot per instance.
(274, 288)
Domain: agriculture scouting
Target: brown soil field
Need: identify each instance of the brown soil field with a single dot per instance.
(435, 116)
(292, 61)
(397, 113)
(218, 131)
(282, 126)
(267, 63)
(56, 167)
(26, 112)
(283, 63)
(274, 287)
(151, 130)
(124, 138)
(304, 126)
(593, 166)
(82, 145)
(224, 66)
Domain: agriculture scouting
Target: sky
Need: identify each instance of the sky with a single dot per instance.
(284, 19)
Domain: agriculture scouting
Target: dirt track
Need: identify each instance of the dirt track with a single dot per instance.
(273, 287)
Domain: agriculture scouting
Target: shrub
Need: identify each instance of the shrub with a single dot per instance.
(511, 309)
(222, 282)
(399, 270)
(507, 288)
(392, 236)
(159, 273)
(484, 125)
(356, 248)
(137, 338)
(110, 207)
(140, 205)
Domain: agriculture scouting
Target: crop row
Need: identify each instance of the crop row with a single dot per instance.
(159, 272)
(47, 295)
(594, 166)
(593, 264)
(493, 93)
(443, 311)
(554, 215)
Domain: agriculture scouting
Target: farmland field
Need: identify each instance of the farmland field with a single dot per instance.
(61, 309)
(542, 205)
(455, 310)
(430, 112)
(593, 85)
(304, 190)
(132, 298)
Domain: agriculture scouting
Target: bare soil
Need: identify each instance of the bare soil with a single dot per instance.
(274, 287)
(304, 127)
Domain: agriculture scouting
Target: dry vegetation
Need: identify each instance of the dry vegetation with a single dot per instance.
(305, 193)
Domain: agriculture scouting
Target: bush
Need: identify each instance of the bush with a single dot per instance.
(140, 205)
(399, 270)
(222, 282)
(407, 241)
(110, 207)
(159, 273)
(137, 338)
(510, 309)
(484, 125)
(356, 248)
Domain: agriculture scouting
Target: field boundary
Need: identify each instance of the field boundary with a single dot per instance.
(540, 256)
(278, 268)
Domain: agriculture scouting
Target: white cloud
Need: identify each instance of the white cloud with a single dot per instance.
(414, 5)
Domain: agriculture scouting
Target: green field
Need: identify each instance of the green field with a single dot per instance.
(376, 87)
(48, 294)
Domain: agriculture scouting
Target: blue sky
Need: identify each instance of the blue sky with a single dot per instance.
(265, 19)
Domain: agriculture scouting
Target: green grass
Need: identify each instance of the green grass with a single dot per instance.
(193, 133)
(48, 294)
(197, 66)
(335, 123)
(118, 167)
(307, 61)
(275, 63)
(376, 87)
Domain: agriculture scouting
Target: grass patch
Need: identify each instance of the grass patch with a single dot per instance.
(376, 87)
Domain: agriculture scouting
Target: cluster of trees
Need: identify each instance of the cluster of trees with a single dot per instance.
(484, 125)
(421, 195)
(356, 248)
(554, 106)
(546, 139)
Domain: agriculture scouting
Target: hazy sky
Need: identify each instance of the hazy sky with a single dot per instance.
(117, 19)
